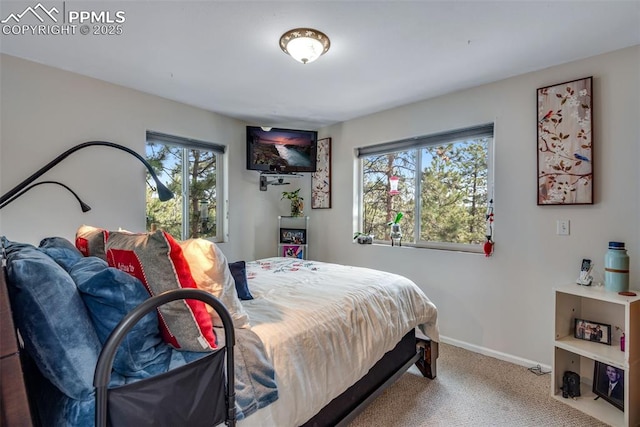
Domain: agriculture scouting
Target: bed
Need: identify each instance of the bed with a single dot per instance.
(324, 326)
(335, 336)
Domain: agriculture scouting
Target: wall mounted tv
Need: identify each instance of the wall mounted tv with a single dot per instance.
(281, 150)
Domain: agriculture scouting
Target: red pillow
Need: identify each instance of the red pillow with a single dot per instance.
(156, 259)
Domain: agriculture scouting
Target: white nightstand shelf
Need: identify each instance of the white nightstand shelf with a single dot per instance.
(572, 354)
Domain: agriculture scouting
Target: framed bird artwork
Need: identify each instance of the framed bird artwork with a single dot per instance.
(321, 178)
(565, 143)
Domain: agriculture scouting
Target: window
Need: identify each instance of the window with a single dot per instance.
(444, 188)
(193, 171)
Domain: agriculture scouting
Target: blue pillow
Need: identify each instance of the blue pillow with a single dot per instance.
(109, 295)
(239, 273)
(53, 321)
(61, 250)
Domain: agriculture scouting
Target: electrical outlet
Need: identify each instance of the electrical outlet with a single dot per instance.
(562, 227)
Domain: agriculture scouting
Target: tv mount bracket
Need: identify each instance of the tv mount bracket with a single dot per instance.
(270, 178)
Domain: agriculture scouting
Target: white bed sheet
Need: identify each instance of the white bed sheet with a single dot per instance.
(324, 326)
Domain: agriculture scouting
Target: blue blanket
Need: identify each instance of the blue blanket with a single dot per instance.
(255, 378)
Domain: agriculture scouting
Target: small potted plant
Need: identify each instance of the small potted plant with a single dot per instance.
(296, 201)
(362, 238)
(396, 233)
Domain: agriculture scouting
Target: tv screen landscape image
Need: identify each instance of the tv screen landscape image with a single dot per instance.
(281, 150)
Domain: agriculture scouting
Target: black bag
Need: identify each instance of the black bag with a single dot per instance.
(570, 385)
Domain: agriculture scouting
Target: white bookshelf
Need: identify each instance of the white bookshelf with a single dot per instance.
(572, 354)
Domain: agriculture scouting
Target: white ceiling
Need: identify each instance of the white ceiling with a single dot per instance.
(224, 56)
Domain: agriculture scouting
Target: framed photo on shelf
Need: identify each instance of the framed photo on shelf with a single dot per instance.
(293, 235)
(293, 251)
(565, 143)
(608, 383)
(592, 331)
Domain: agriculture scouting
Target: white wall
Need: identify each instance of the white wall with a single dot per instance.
(45, 111)
(505, 303)
(502, 304)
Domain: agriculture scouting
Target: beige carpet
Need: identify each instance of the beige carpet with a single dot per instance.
(471, 390)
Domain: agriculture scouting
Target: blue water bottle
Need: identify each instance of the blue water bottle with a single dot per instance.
(616, 268)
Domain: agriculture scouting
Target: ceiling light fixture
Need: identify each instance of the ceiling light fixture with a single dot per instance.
(266, 128)
(304, 44)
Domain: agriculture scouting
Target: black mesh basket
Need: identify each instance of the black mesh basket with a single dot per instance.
(200, 393)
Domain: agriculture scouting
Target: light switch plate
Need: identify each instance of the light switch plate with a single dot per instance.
(562, 227)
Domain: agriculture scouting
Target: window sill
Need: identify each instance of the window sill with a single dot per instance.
(453, 247)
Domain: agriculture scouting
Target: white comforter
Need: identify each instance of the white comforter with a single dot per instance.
(324, 326)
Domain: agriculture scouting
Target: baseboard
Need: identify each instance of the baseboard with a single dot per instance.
(496, 354)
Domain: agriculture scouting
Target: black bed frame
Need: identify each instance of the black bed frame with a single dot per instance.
(339, 412)
(346, 407)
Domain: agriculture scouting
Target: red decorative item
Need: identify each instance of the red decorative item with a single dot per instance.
(488, 245)
(393, 183)
(488, 248)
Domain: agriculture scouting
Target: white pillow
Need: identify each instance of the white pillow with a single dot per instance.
(210, 270)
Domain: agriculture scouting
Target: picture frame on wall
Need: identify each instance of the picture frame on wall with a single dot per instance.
(592, 331)
(608, 383)
(565, 143)
(321, 178)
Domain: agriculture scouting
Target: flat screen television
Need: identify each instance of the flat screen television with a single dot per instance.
(281, 150)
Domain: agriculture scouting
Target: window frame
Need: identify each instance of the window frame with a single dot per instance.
(417, 143)
(186, 144)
